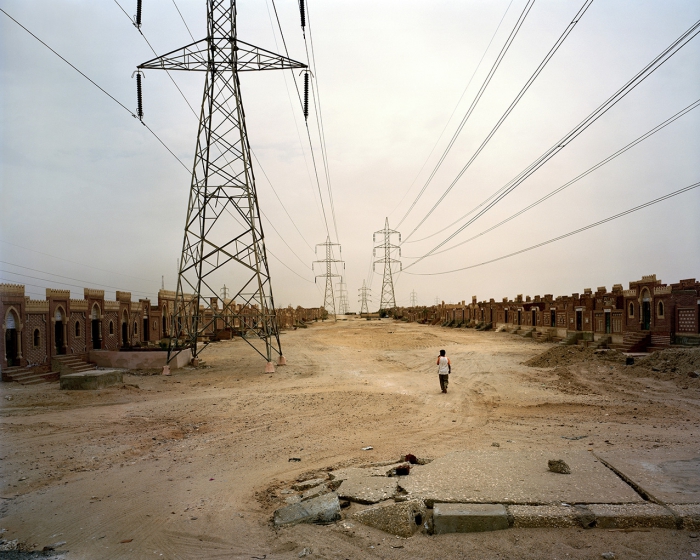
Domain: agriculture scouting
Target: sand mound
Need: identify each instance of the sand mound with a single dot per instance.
(672, 360)
(567, 355)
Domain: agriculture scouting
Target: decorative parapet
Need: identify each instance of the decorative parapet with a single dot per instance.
(57, 294)
(92, 293)
(135, 306)
(78, 305)
(111, 305)
(658, 290)
(649, 278)
(124, 297)
(629, 293)
(12, 290)
(36, 305)
(166, 294)
(616, 288)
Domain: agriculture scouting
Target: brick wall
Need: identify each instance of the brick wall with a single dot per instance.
(77, 342)
(35, 354)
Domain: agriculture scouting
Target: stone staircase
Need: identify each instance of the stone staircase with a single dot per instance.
(571, 339)
(526, 332)
(544, 336)
(71, 363)
(633, 342)
(30, 375)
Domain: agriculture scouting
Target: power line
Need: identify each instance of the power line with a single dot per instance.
(588, 171)
(98, 87)
(183, 21)
(564, 236)
(637, 79)
(475, 101)
(504, 116)
(62, 283)
(476, 69)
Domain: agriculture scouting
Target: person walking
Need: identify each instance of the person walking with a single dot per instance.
(444, 370)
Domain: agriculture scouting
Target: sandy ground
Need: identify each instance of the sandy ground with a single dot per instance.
(188, 466)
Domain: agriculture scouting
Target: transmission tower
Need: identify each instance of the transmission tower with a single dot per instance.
(437, 300)
(414, 298)
(343, 305)
(223, 233)
(328, 297)
(365, 297)
(387, 299)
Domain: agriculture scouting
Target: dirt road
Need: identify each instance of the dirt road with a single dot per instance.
(187, 466)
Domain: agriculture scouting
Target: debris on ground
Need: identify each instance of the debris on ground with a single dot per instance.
(559, 466)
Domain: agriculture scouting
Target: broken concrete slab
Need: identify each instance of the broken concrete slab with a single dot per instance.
(469, 518)
(666, 476)
(366, 489)
(92, 379)
(625, 516)
(315, 492)
(306, 484)
(324, 509)
(516, 477)
(401, 519)
(537, 517)
(689, 515)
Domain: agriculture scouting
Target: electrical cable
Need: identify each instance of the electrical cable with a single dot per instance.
(464, 91)
(558, 43)
(475, 101)
(98, 87)
(598, 165)
(574, 232)
(637, 79)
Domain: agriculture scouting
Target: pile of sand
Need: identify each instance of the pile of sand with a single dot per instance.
(672, 361)
(567, 355)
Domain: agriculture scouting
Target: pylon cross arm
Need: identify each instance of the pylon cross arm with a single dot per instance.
(200, 56)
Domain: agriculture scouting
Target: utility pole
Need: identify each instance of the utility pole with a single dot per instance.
(365, 296)
(343, 306)
(387, 299)
(224, 293)
(414, 298)
(328, 296)
(223, 232)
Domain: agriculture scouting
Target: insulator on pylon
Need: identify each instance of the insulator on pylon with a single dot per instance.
(137, 19)
(303, 14)
(139, 97)
(306, 95)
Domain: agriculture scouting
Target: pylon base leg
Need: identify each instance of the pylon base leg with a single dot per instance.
(269, 367)
(281, 361)
(195, 362)
(166, 370)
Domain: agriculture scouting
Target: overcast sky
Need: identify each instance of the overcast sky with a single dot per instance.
(90, 198)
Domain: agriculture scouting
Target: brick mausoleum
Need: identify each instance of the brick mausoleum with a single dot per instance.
(39, 334)
(649, 315)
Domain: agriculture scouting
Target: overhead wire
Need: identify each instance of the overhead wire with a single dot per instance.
(552, 51)
(588, 171)
(464, 91)
(615, 98)
(474, 103)
(564, 236)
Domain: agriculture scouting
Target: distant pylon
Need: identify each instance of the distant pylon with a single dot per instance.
(328, 297)
(437, 300)
(343, 306)
(365, 297)
(387, 299)
(414, 298)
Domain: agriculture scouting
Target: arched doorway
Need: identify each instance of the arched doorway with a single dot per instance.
(646, 310)
(553, 318)
(505, 316)
(125, 330)
(96, 325)
(12, 339)
(534, 317)
(58, 332)
(146, 330)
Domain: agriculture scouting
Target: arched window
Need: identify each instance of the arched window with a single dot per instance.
(77, 328)
(660, 309)
(111, 327)
(37, 338)
(631, 310)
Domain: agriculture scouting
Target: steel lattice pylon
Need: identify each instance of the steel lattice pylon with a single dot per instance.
(223, 239)
(365, 297)
(387, 299)
(328, 296)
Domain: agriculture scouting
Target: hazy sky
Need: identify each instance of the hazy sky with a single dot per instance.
(86, 185)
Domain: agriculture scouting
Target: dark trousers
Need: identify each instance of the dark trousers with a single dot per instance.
(444, 380)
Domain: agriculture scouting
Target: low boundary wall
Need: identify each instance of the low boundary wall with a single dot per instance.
(138, 360)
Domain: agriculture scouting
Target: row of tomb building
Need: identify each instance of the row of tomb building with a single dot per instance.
(35, 331)
(649, 315)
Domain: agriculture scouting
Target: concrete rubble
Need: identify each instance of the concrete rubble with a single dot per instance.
(323, 509)
(493, 489)
(402, 519)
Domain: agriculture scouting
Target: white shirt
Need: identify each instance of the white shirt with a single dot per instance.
(443, 365)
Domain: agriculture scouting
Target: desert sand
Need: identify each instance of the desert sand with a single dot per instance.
(190, 466)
